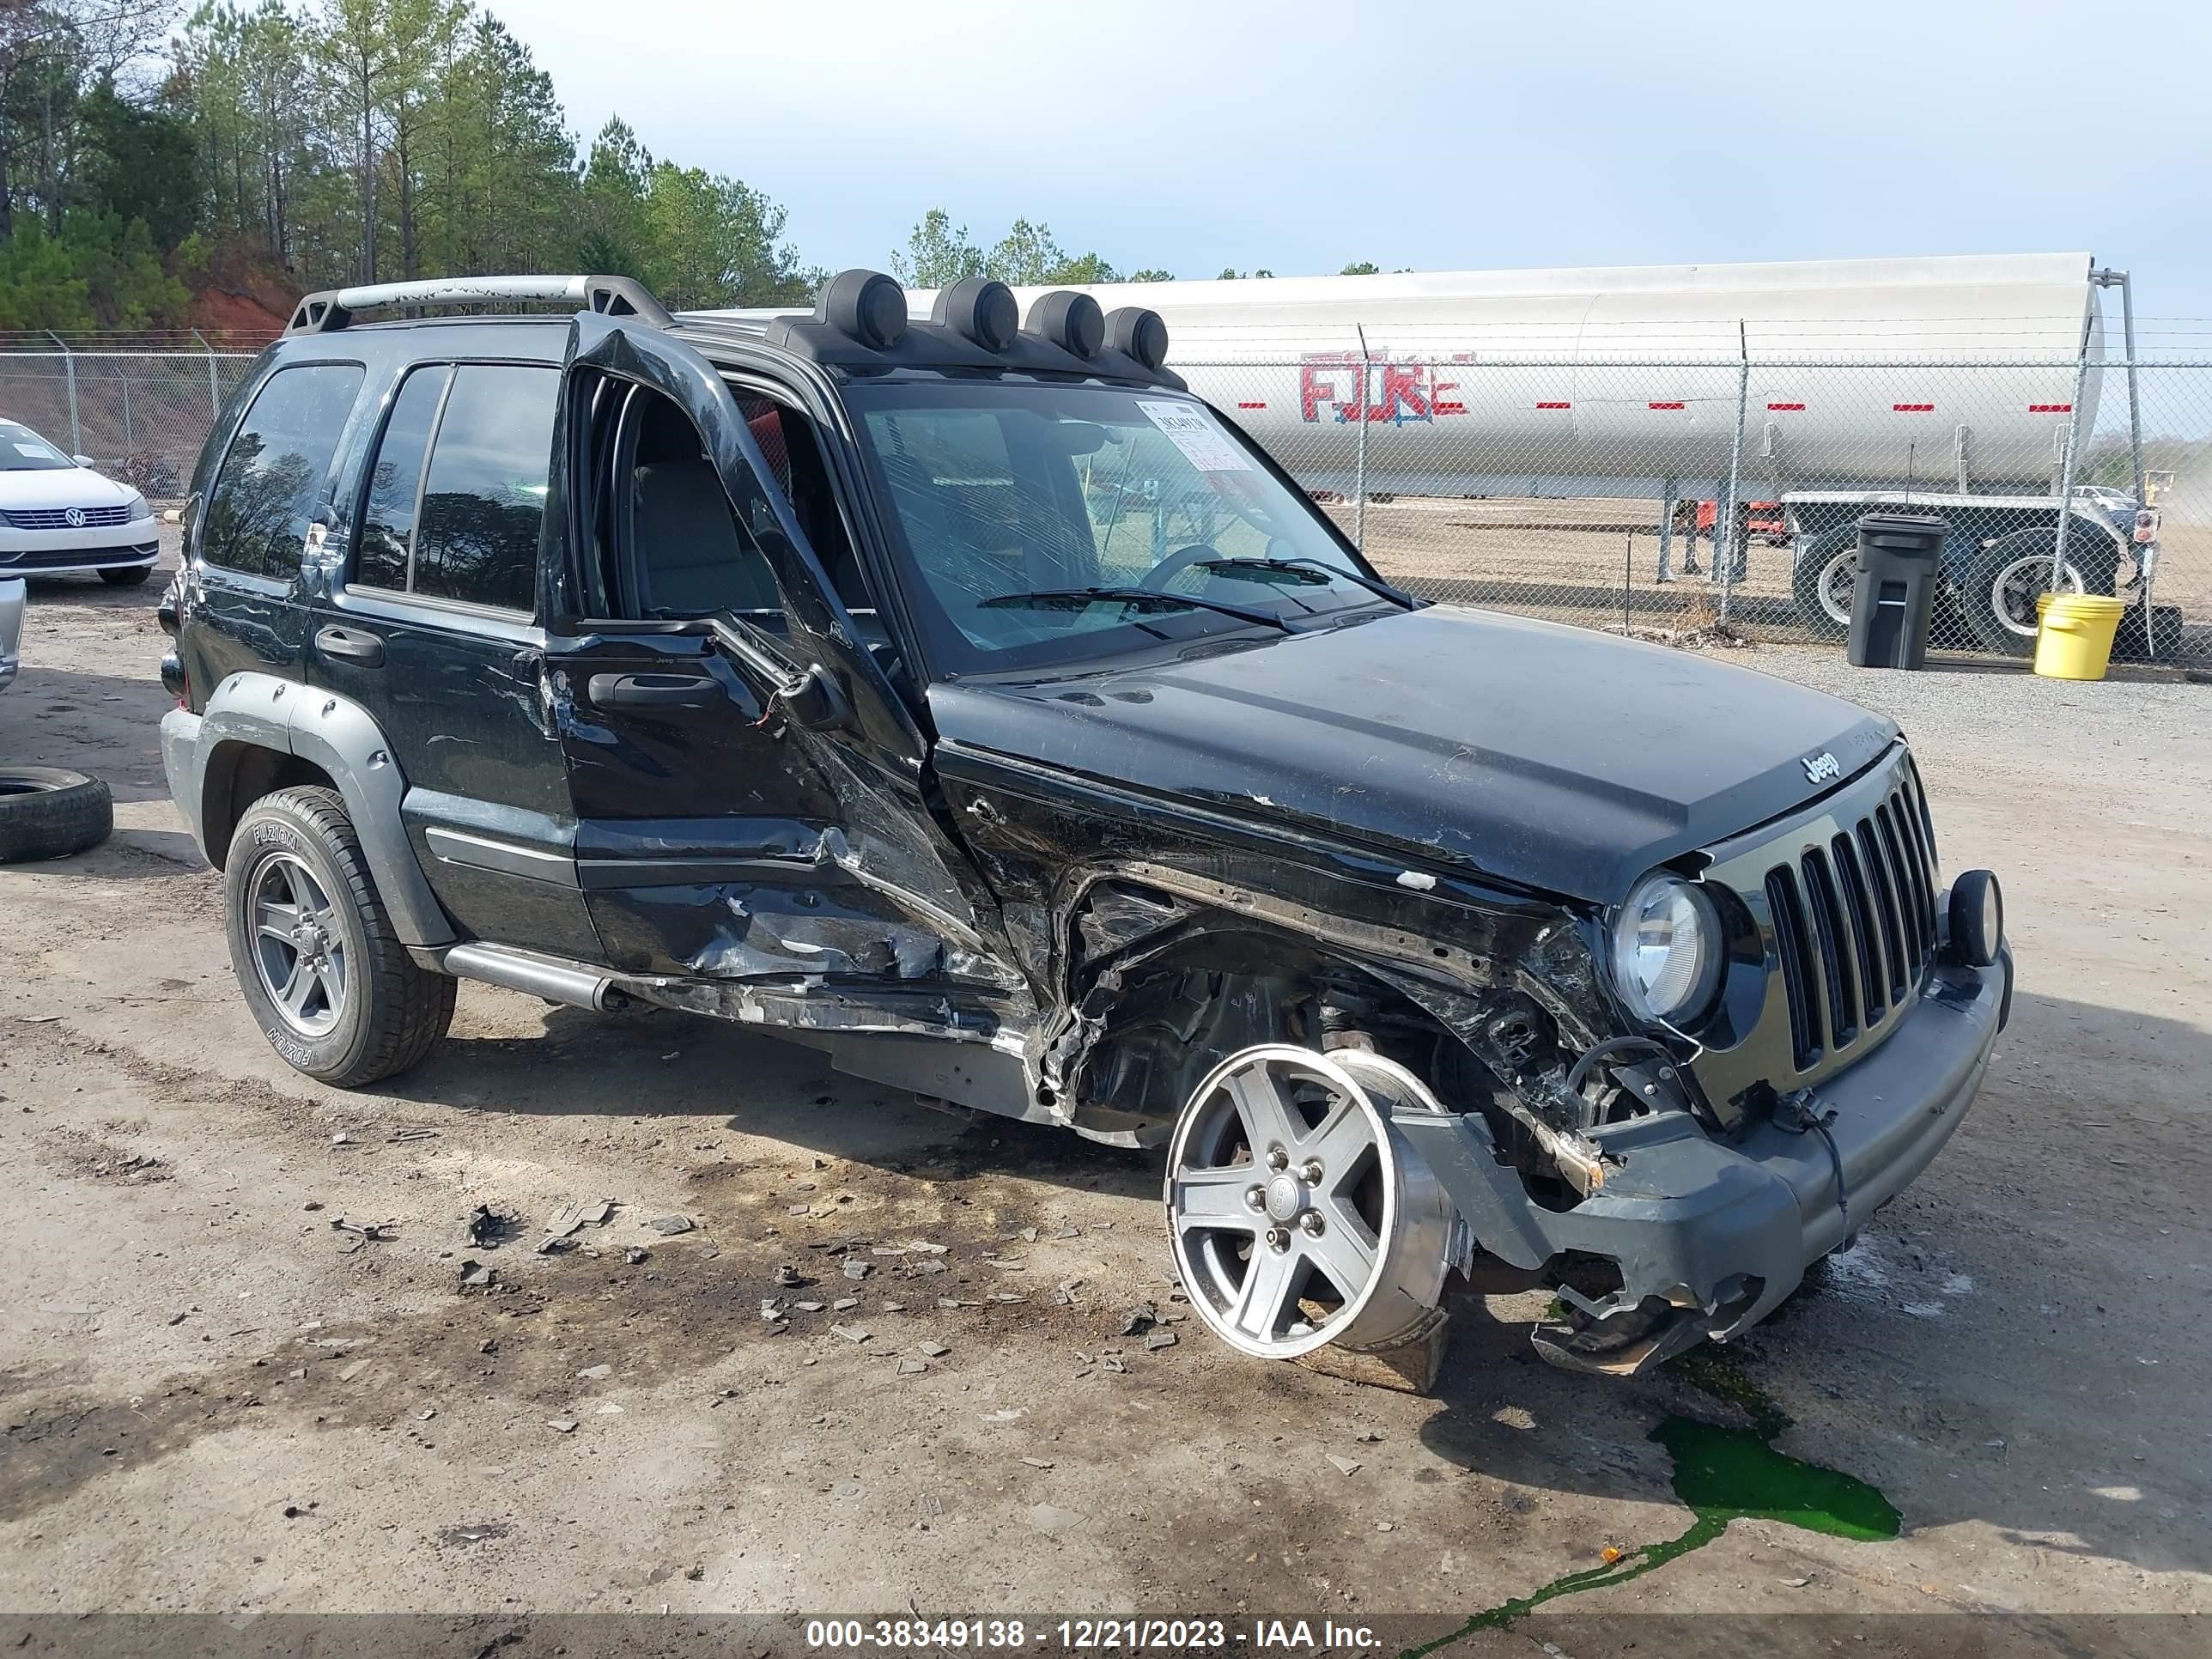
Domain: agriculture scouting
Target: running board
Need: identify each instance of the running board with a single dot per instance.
(574, 983)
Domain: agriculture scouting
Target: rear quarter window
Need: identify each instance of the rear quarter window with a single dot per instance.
(272, 482)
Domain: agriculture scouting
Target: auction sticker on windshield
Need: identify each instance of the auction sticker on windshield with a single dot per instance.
(1203, 444)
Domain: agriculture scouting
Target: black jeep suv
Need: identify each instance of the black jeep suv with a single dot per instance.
(964, 698)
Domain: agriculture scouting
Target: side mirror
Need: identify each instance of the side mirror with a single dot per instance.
(81, 460)
(813, 700)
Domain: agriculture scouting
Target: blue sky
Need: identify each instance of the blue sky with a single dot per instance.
(1299, 136)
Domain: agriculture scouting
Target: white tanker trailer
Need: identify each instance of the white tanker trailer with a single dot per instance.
(1872, 385)
(1941, 386)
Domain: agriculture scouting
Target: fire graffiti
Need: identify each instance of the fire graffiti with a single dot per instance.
(1350, 390)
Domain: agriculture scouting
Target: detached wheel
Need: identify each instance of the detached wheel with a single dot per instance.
(1820, 582)
(48, 813)
(1297, 1216)
(135, 578)
(329, 982)
(2002, 584)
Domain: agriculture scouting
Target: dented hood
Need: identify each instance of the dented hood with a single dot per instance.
(1549, 757)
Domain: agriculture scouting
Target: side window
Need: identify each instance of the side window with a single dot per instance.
(484, 499)
(266, 495)
(387, 529)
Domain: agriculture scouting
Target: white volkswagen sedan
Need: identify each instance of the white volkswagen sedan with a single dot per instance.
(59, 518)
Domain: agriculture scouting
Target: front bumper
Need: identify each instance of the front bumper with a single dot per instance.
(79, 552)
(1724, 1229)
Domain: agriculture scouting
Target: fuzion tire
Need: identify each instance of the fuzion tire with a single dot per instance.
(48, 813)
(1821, 581)
(329, 982)
(135, 577)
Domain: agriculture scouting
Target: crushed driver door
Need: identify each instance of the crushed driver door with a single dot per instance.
(748, 787)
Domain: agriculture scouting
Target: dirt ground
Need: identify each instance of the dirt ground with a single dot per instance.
(217, 1400)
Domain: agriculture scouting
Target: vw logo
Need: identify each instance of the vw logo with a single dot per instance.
(75, 518)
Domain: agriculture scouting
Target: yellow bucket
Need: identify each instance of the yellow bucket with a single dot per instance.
(2074, 635)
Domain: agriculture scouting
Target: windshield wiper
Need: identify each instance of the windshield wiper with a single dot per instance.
(1144, 598)
(1301, 564)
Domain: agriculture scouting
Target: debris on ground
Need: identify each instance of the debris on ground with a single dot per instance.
(475, 1276)
(487, 1226)
(635, 1256)
(401, 1136)
(932, 1349)
(925, 1248)
(1038, 1463)
(669, 1225)
(852, 1332)
(1159, 1340)
(376, 1232)
(911, 1367)
(1140, 1319)
(597, 1371)
(1344, 1465)
(844, 1303)
(790, 1278)
(810, 1307)
(857, 1269)
(562, 1424)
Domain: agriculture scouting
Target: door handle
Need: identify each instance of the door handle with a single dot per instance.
(350, 645)
(654, 691)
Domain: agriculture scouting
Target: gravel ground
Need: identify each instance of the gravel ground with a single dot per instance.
(214, 1400)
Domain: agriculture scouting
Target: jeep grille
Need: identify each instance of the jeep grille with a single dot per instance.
(1855, 920)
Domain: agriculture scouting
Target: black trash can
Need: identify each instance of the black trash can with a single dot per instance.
(1899, 557)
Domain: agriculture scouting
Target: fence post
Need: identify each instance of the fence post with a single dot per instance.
(1667, 530)
(69, 366)
(1360, 485)
(2066, 459)
(215, 397)
(1735, 463)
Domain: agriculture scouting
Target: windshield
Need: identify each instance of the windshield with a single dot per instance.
(1013, 498)
(22, 450)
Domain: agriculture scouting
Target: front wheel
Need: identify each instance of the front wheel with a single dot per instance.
(329, 982)
(1821, 583)
(1298, 1215)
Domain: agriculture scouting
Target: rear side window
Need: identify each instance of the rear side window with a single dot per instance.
(387, 529)
(271, 484)
(466, 530)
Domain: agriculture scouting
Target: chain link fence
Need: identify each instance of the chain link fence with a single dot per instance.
(1588, 490)
(140, 416)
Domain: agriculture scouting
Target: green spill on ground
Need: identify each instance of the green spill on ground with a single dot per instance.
(1720, 1474)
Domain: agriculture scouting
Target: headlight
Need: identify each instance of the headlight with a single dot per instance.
(139, 506)
(1667, 949)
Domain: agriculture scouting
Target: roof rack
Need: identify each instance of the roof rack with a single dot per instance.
(614, 296)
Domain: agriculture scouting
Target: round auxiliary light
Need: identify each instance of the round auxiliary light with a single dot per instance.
(1070, 320)
(866, 306)
(1976, 917)
(1136, 331)
(980, 311)
(1667, 950)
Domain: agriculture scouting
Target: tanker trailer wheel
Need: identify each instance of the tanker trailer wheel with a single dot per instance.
(1820, 582)
(1297, 1216)
(2002, 582)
